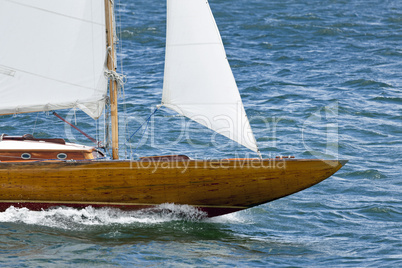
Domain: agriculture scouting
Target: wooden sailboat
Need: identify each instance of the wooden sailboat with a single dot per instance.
(198, 83)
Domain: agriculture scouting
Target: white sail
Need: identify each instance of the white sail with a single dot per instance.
(52, 55)
(198, 81)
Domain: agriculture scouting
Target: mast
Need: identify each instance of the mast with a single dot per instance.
(111, 65)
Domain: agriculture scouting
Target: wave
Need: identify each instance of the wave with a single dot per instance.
(364, 82)
(384, 212)
(365, 174)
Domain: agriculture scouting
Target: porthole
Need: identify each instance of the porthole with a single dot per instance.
(61, 156)
(26, 156)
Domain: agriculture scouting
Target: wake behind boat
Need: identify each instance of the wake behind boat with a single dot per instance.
(70, 72)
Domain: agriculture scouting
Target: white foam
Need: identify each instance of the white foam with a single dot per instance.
(70, 218)
(233, 218)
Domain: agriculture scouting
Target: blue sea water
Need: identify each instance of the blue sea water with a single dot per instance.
(319, 79)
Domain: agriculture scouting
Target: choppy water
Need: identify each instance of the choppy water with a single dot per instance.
(318, 79)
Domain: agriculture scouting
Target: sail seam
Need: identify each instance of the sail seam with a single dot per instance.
(49, 78)
(6, 71)
(50, 106)
(56, 13)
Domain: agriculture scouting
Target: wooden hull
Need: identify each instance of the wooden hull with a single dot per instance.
(216, 187)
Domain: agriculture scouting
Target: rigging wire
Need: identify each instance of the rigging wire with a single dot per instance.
(146, 122)
(107, 126)
(79, 130)
(36, 120)
(123, 93)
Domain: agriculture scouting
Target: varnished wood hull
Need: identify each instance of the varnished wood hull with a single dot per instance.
(216, 187)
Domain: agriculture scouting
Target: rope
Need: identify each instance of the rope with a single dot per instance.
(145, 129)
(146, 122)
(36, 120)
(76, 128)
(119, 78)
(107, 125)
(119, 47)
(259, 154)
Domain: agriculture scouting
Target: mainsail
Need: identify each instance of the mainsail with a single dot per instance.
(52, 56)
(198, 81)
